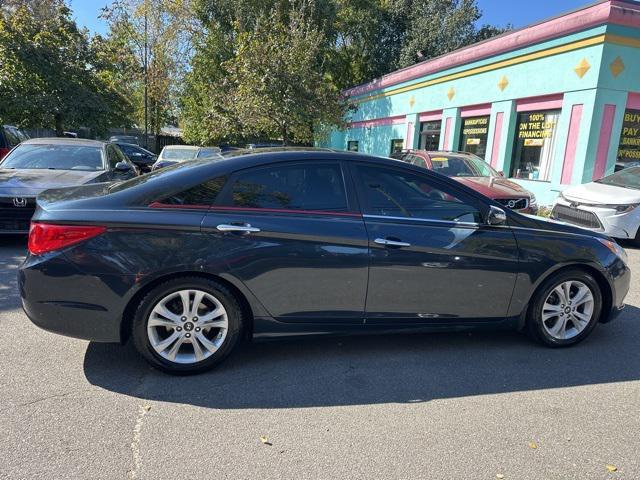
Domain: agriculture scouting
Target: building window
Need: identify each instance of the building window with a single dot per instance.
(397, 145)
(629, 147)
(475, 131)
(535, 143)
(352, 145)
(430, 135)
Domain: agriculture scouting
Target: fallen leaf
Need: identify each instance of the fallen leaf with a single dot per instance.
(264, 439)
(147, 408)
(533, 445)
(612, 468)
(499, 475)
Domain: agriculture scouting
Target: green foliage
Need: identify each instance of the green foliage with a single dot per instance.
(51, 74)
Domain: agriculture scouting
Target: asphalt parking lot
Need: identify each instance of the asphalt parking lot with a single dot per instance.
(461, 406)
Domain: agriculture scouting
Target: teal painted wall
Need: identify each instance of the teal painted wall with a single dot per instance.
(548, 75)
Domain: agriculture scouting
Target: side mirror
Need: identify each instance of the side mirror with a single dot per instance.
(122, 167)
(496, 216)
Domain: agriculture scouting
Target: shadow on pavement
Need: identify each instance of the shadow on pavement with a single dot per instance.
(16, 246)
(317, 372)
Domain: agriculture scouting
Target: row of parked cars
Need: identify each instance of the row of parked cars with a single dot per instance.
(608, 205)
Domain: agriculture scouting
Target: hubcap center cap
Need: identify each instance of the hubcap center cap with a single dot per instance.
(188, 326)
(567, 310)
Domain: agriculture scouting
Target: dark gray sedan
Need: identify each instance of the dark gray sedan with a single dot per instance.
(40, 164)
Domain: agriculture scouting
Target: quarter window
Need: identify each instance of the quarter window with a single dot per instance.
(395, 193)
(296, 187)
(203, 195)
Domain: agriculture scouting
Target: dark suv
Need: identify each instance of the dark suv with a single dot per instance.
(9, 138)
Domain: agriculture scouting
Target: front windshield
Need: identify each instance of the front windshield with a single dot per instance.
(179, 154)
(628, 178)
(458, 166)
(55, 157)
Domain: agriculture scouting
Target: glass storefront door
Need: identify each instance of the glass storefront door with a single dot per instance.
(430, 135)
(534, 146)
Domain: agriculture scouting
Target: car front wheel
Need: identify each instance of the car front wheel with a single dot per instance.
(565, 309)
(187, 325)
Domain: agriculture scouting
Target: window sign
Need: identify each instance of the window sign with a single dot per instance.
(535, 143)
(397, 145)
(629, 147)
(475, 131)
(352, 145)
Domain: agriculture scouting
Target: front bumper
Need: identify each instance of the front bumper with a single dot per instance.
(612, 223)
(58, 298)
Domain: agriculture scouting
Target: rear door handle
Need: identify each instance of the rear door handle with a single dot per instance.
(391, 243)
(245, 228)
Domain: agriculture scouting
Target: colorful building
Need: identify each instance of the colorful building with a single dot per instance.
(551, 105)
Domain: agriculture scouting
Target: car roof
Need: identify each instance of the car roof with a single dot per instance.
(78, 142)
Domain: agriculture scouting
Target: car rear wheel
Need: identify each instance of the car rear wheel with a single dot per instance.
(565, 309)
(187, 325)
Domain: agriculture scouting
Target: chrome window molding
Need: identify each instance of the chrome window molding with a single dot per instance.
(431, 220)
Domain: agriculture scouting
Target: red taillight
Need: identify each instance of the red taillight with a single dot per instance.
(46, 237)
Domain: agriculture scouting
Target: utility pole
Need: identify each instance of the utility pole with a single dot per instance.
(146, 77)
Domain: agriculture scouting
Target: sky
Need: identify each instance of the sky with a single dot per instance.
(496, 12)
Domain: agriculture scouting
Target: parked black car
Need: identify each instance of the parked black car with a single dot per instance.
(43, 163)
(140, 157)
(189, 259)
(10, 137)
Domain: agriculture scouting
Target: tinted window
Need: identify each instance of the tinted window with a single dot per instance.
(112, 156)
(304, 187)
(394, 193)
(11, 136)
(203, 194)
(56, 157)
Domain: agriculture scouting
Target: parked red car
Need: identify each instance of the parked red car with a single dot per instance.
(475, 173)
(10, 137)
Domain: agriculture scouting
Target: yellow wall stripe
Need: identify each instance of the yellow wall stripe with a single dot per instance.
(588, 42)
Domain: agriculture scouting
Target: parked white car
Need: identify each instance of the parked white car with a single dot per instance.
(608, 205)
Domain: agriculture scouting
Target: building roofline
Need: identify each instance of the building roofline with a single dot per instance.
(620, 12)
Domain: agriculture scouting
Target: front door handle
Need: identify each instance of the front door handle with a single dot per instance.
(391, 243)
(245, 228)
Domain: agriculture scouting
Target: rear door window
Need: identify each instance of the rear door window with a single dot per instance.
(316, 186)
(200, 196)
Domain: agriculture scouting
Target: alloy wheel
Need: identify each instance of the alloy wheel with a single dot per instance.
(187, 326)
(567, 310)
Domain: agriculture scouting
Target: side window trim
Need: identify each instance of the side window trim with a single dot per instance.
(225, 200)
(465, 197)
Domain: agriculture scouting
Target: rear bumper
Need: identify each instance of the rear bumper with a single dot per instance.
(58, 298)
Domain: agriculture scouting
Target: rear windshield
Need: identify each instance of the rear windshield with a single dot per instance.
(55, 157)
(179, 154)
(628, 178)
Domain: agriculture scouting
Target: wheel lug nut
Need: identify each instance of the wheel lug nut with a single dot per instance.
(197, 329)
(188, 335)
(184, 319)
(179, 329)
(195, 319)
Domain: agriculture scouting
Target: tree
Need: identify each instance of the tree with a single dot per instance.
(156, 38)
(48, 76)
(263, 79)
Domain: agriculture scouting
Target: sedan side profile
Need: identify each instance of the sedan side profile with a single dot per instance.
(190, 259)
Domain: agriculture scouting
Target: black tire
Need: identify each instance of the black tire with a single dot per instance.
(143, 312)
(535, 327)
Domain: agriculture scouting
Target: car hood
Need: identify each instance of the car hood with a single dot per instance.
(30, 182)
(599, 193)
(549, 224)
(494, 187)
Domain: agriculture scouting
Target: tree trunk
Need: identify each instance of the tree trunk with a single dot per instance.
(285, 136)
(59, 127)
